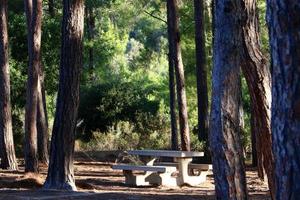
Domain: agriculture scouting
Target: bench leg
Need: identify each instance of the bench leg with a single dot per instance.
(164, 179)
(168, 180)
(150, 178)
(139, 180)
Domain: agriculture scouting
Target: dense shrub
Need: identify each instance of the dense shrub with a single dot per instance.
(104, 105)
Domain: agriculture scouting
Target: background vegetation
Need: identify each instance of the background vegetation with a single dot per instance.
(124, 96)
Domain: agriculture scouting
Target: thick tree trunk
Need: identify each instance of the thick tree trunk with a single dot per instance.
(7, 151)
(171, 40)
(42, 121)
(179, 71)
(284, 28)
(34, 22)
(202, 93)
(258, 79)
(61, 172)
(225, 144)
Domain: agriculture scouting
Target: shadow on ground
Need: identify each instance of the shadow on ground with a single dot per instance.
(96, 180)
(48, 195)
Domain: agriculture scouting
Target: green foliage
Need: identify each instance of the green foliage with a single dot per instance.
(51, 52)
(264, 34)
(123, 137)
(124, 97)
(18, 133)
(103, 105)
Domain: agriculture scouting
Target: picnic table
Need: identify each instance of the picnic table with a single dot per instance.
(162, 173)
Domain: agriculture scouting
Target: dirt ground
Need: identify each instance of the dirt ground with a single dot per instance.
(96, 180)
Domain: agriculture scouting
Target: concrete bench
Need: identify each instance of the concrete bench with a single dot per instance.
(152, 175)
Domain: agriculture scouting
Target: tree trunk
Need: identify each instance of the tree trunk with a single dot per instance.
(253, 143)
(171, 40)
(179, 71)
(202, 93)
(90, 34)
(7, 151)
(90, 19)
(34, 22)
(51, 8)
(258, 79)
(174, 130)
(256, 141)
(42, 121)
(224, 137)
(283, 20)
(41, 112)
(61, 172)
(255, 128)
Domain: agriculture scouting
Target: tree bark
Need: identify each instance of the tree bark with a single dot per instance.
(90, 34)
(7, 151)
(258, 77)
(42, 121)
(171, 40)
(179, 72)
(284, 25)
(202, 93)
(253, 143)
(61, 171)
(41, 112)
(224, 137)
(34, 22)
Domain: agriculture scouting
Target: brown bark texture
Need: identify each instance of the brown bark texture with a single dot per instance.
(61, 171)
(284, 27)
(224, 137)
(33, 11)
(201, 71)
(172, 8)
(7, 151)
(172, 89)
(258, 77)
(42, 121)
(253, 143)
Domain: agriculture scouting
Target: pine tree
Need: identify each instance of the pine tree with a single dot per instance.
(61, 171)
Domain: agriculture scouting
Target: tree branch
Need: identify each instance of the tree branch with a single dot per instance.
(145, 11)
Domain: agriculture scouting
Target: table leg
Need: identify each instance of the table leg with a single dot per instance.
(183, 164)
(184, 177)
(145, 179)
